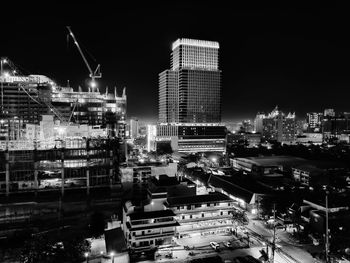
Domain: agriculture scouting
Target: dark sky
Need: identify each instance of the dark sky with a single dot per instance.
(296, 58)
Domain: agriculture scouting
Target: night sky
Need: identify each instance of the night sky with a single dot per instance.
(298, 59)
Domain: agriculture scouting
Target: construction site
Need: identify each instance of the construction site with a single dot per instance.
(60, 147)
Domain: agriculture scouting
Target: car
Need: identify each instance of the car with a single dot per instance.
(227, 244)
(215, 245)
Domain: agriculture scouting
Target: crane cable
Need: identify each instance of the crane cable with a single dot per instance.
(28, 94)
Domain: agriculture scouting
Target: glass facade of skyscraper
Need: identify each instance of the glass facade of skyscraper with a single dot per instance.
(190, 92)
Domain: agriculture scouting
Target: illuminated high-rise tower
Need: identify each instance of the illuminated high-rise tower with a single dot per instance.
(190, 92)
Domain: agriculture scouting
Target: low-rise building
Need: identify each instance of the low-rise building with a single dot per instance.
(266, 165)
(148, 227)
(202, 214)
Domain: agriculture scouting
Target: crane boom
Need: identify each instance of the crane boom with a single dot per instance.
(93, 74)
(80, 51)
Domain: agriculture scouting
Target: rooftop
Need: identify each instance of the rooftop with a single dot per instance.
(195, 42)
(115, 240)
(274, 160)
(197, 199)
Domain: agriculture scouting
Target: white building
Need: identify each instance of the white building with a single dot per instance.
(148, 227)
(202, 214)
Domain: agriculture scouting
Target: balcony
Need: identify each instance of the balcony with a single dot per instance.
(207, 218)
(202, 209)
(154, 235)
(172, 223)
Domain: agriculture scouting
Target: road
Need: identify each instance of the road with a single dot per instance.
(287, 247)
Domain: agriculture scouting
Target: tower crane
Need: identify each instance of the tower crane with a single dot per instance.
(93, 74)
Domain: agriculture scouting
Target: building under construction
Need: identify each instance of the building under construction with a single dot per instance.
(53, 138)
(79, 163)
(26, 99)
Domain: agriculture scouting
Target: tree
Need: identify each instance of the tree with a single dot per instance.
(36, 249)
(239, 218)
(164, 148)
(40, 249)
(75, 249)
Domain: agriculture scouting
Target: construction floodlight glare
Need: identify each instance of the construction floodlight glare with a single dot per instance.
(93, 84)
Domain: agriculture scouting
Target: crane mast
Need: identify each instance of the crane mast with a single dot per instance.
(93, 74)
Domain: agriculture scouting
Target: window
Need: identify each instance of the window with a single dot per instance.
(190, 216)
(183, 217)
(221, 213)
(202, 214)
(208, 204)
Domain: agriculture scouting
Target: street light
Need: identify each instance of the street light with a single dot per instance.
(86, 254)
(112, 255)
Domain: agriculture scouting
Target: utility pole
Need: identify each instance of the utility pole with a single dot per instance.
(274, 235)
(327, 236)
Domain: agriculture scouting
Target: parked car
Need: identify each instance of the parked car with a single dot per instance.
(215, 246)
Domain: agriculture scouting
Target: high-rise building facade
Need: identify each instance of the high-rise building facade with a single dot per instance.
(329, 112)
(134, 128)
(190, 98)
(276, 126)
(314, 121)
(190, 92)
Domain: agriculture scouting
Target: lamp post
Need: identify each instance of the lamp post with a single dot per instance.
(112, 255)
(86, 254)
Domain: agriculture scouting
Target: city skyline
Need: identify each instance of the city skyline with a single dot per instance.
(185, 131)
(295, 59)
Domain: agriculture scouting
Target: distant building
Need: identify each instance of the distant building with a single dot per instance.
(314, 121)
(247, 126)
(244, 138)
(134, 128)
(310, 138)
(337, 126)
(329, 113)
(151, 137)
(276, 126)
(193, 137)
